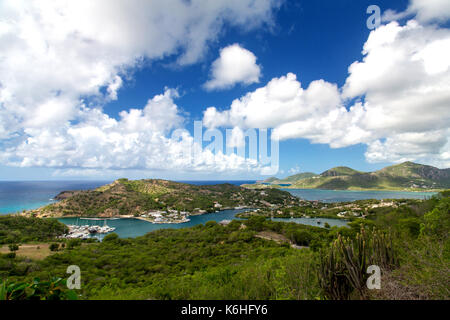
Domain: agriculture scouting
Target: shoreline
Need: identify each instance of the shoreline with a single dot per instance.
(276, 186)
(140, 218)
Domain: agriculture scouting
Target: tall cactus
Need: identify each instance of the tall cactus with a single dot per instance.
(333, 280)
(343, 268)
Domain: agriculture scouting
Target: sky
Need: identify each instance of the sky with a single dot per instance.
(102, 90)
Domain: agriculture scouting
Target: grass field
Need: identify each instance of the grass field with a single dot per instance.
(36, 251)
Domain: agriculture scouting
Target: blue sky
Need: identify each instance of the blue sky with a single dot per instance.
(314, 40)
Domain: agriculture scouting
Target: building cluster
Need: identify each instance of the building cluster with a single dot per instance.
(169, 216)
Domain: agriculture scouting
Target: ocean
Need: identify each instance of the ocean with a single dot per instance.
(16, 196)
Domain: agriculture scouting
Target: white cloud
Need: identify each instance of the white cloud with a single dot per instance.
(295, 170)
(113, 87)
(430, 10)
(424, 10)
(139, 140)
(402, 82)
(315, 113)
(235, 65)
(56, 53)
(430, 147)
(405, 81)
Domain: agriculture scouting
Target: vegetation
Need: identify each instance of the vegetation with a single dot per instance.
(343, 267)
(409, 242)
(125, 197)
(36, 290)
(17, 229)
(405, 176)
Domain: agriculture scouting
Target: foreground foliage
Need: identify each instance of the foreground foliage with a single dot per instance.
(212, 261)
(54, 289)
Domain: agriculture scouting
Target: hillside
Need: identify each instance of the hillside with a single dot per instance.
(125, 197)
(290, 179)
(406, 176)
(340, 171)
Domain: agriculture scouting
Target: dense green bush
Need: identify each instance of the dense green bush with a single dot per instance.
(18, 229)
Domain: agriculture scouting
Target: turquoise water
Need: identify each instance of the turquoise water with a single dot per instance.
(345, 195)
(130, 228)
(316, 222)
(16, 196)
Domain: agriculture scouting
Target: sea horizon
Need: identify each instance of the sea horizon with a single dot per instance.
(17, 196)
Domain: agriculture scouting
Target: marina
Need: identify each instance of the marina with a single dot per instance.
(135, 227)
(79, 231)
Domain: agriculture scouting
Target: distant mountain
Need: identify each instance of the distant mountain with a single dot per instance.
(405, 176)
(290, 179)
(299, 176)
(340, 171)
(270, 180)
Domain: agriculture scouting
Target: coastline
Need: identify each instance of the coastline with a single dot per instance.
(276, 186)
(139, 218)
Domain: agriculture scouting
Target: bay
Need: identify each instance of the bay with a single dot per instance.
(350, 195)
(131, 227)
(16, 196)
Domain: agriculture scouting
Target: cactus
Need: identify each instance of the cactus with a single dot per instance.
(343, 268)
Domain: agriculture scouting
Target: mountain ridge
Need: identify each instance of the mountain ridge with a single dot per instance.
(408, 176)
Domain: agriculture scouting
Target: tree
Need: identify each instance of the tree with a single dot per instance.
(13, 247)
(302, 237)
(111, 237)
(437, 222)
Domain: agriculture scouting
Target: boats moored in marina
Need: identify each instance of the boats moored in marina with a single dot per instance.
(85, 231)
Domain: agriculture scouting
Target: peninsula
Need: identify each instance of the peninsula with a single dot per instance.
(159, 201)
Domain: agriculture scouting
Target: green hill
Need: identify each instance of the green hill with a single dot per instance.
(406, 176)
(299, 176)
(126, 197)
(271, 180)
(340, 171)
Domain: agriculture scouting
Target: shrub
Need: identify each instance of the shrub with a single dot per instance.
(54, 247)
(72, 243)
(111, 237)
(302, 237)
(13, 247)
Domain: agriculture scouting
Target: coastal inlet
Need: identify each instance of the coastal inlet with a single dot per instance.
(132, 227)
